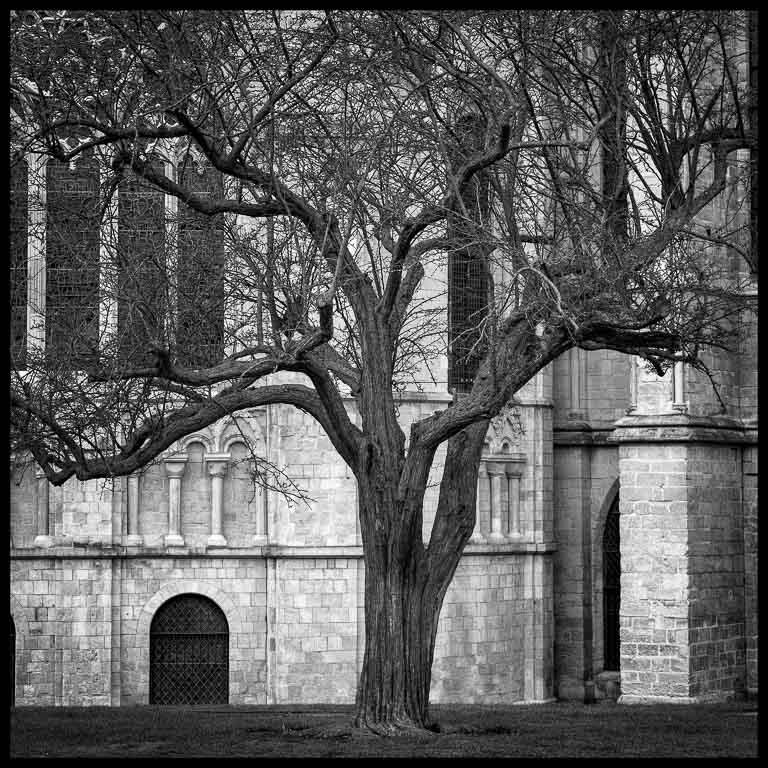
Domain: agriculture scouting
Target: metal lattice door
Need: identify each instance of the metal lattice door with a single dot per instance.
(611, 590)
(189, 653)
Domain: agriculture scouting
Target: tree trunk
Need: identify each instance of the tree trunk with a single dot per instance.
(405, 582)
(400, 623)
(400, 616)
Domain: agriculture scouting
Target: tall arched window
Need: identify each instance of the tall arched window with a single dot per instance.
(189, 652)
(611, 589)
(72, 259)
(18, 262)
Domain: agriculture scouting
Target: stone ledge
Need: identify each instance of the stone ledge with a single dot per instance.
(580, 434)
(714, 697)
(256, 552)
(667, 428)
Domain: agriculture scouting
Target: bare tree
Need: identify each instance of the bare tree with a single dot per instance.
(558, 160)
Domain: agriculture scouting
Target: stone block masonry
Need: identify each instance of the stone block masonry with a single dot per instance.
(682, 580)
(295, 635)
(494, 643)
(316, 630)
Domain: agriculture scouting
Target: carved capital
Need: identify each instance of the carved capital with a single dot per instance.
(175, 465)
(217, 464)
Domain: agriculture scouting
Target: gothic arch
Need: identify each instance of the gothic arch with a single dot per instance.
(610, 504)
(602, 515)
(165, 593)
(197, 437)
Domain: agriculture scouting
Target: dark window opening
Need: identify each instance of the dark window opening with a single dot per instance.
(468, 270)
(141, 263)
(467, 303)
(189, 653)
(72, 261)
(19, 212)
(611, 590)
(200, 321)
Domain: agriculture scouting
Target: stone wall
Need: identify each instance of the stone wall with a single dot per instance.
(289, 576)
(295, 624)
(750, 501)
(715, 570)
(316, 630)
(494, 639)
(682, 622)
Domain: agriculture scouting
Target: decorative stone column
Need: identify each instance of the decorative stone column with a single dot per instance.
(577, 377)
(482, 480)
(43, 538)
(496, 472)
(174, 468)
(513, 496)
(678, 387)
(260, 536)
(217, 468)
(133, 539)
(36, 253)
(633, 382)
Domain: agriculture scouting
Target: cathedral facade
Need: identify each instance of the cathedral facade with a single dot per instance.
(614, 555)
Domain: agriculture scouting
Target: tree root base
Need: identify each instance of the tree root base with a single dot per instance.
(367, 730)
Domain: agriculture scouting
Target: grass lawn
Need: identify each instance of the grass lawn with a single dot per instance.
(538, 730)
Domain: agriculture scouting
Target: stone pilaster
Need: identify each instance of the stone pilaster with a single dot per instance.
(217, 468)
(572, 572)
(36, 250)
(513, 496)
(174, 468)
(133, 537)
(496, 474)
(482, 480)
(43, 538)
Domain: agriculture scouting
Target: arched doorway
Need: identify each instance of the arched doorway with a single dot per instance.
(13, 663)
(189, 652)
(611, 589)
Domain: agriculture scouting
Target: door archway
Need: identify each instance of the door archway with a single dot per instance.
(611, 589)
(189, 652)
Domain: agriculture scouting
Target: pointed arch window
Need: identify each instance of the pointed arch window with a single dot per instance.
(611, 590)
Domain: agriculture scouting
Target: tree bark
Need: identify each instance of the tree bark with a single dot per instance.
(405, 582)
(400, 621)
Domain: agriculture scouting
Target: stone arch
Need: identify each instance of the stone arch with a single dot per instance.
(610, 497)
(185, 669)
(165, 593)
(196, 437)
